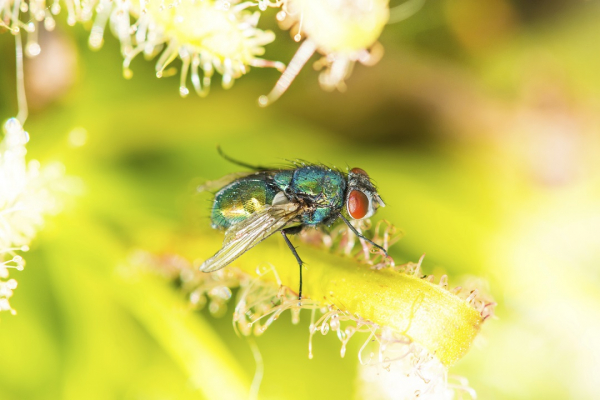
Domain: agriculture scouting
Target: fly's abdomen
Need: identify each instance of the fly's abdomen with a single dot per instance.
(324, 187)
(240, 199)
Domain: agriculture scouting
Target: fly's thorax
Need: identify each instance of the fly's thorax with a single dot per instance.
(362, 199)
(322, 189)
(240, 199)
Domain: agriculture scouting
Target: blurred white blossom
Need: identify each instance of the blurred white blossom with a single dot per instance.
(207, 36)
(218, 35)
(411, 373)
(344, 32)
(27, 194)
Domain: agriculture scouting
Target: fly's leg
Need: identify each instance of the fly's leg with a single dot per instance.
(357, 233)
(300, 262)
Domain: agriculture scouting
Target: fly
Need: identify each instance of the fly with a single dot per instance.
(251, 206)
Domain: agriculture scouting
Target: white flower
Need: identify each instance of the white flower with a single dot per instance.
(205, 35)
(218, 35)
(17, 15)
(26, 195)
(402, 370)
(344, 31)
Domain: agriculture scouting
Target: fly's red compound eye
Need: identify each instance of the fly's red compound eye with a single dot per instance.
(359, 171)
(358, 204)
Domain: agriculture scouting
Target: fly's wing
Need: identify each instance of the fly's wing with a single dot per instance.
(210, 186)
(245, 235)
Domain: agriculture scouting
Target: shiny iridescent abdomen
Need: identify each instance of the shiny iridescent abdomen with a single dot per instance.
(241, 198)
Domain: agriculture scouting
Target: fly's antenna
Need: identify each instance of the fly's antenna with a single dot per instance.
(360, 235)
(240, 163)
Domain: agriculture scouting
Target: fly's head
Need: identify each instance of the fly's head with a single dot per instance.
(362, 199)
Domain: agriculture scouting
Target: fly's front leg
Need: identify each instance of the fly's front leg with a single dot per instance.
(300, 262)
(360, 235)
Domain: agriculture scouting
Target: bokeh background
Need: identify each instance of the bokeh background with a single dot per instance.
(480, 126)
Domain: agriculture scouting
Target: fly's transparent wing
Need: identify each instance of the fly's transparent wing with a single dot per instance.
(247, 234)
(210, 186)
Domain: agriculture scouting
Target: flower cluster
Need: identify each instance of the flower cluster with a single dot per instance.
(344, 32)
(218, 35)
(393, 364)
(207, 36)
(27, 193)
(20, 15)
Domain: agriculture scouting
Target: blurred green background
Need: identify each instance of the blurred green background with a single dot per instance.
(480, 126)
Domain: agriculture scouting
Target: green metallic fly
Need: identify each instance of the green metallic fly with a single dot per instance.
(254, 205)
